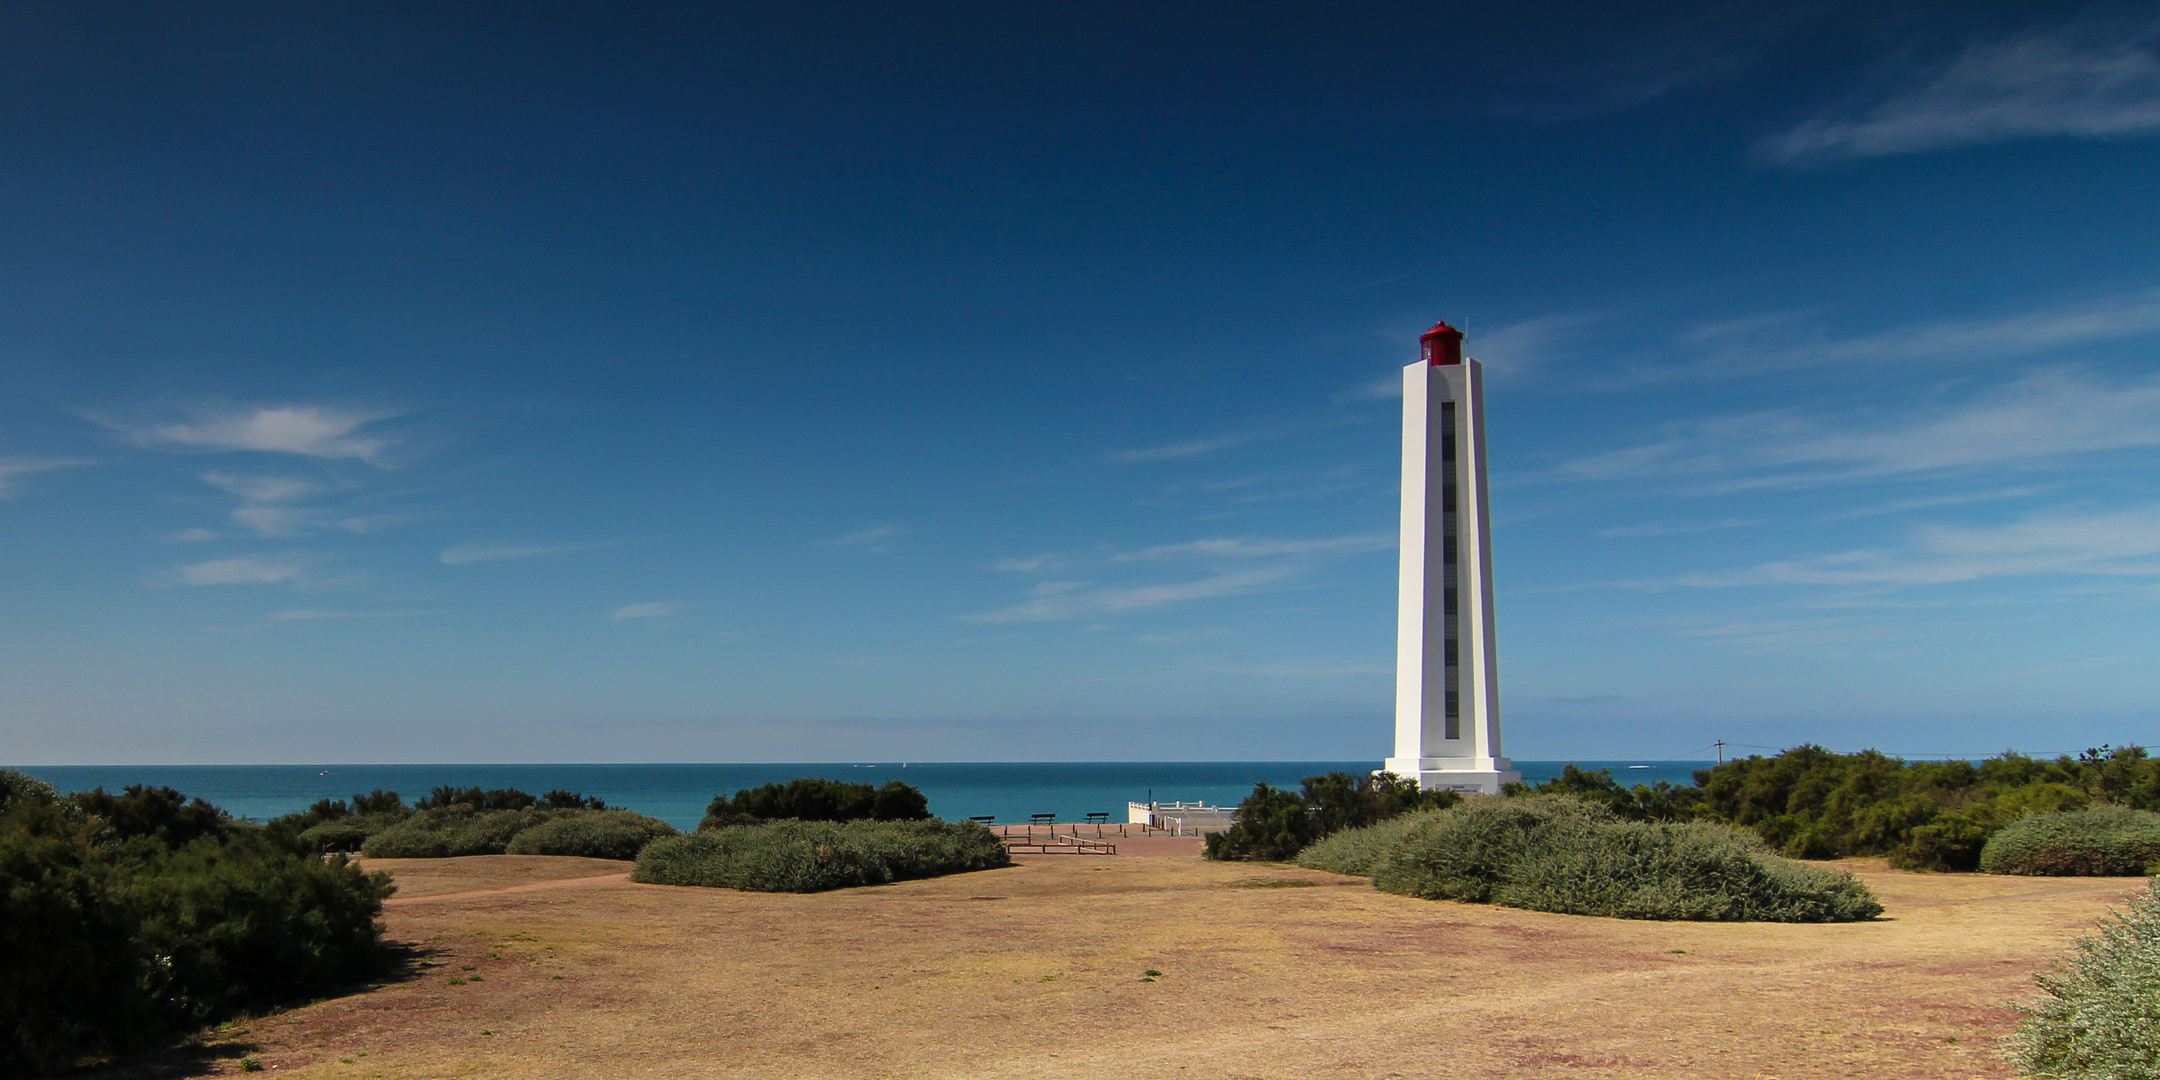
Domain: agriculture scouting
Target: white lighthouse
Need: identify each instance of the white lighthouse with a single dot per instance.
(1447, 694)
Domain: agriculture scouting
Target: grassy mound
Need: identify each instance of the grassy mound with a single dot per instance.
(1355, 851)
(813, 856)
(1556, 853)
(2098, 841)
(2097, 1022)
(595, 834)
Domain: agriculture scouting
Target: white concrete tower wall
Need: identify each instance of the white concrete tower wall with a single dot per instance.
(1447, 695)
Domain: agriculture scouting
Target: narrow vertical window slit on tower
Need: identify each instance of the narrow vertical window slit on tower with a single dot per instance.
(1451, 643)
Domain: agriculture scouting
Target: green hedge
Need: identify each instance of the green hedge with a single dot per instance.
(2098, 1020)
(1274, 824)
(1561, 854)
(2103, 841)
(813, 856)
(455, 831)
(127, 919)
(599, 834)
(811, 798)
(1356, 851)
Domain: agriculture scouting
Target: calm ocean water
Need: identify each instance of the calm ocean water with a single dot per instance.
(678, 793)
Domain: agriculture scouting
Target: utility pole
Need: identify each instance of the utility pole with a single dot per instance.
(1721, 751)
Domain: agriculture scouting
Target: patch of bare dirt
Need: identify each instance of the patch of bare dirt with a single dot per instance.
(1039, 971)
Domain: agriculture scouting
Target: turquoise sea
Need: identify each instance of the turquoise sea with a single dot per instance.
(1009, 791)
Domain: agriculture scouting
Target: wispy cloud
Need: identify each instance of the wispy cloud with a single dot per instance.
(876, 540)
(310, 614)
(1247, 548)
(261, 489)
(242, 570)
(2051, 414)
(1929, 502)
(1659, 59)
(1030, 564)
(2120, 544)
(318, 431)
(13, 469)
(1188, 449)
(1659, 528)
(1079, 603)
(1225, 567)
(1788, 341)
(464, 554)
(1305, 669)
(2087, 80)
(654, 609)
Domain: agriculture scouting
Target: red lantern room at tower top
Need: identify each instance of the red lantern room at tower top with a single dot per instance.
(1442, 345)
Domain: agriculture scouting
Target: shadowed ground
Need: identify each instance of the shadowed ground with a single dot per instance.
(1037, 971)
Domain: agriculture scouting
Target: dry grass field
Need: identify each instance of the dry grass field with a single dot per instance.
(559, 968)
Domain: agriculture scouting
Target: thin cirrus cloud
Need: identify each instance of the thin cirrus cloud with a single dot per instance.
(2121, 544)
(877, 540)
(14, 469)
(1227, 567)
(1659, 528)
(466, 554)
(1189, 448)
(1784, 341)
(653, 609)
(242, 570)
(2051, 414)
(2086, 80)
(318, 431)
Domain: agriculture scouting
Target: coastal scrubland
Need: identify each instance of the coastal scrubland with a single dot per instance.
(1265, 971)
(1807, 803)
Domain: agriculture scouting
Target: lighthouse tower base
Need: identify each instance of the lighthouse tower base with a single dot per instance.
(1469, 775)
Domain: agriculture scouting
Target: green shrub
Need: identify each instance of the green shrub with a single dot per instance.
(1464, 853)
(813, 856)
(1355, 851)
(1274, 824)
(594, 834)
(348, 833)
(128, 918)
(1563, 854)
(455, 831)
(811, 798)
(1922, 815)
(2097, 841)
(1675, 870)
(2097, 1021)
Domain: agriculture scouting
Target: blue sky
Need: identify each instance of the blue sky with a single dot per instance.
(402, 383)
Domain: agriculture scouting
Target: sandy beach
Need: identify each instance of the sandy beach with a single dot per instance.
(554, 967)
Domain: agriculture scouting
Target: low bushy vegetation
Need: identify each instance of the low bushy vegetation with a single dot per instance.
(1564, 854)
(2097, 1021)
(811, 798)
(128, 918)
(1275, 824)
(598, 834)
(2097, 841)
(1357, 851)
(813, 856)
(1925, 815)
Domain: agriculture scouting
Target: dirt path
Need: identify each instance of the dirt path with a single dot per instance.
(534, 886)
(1040, 970)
